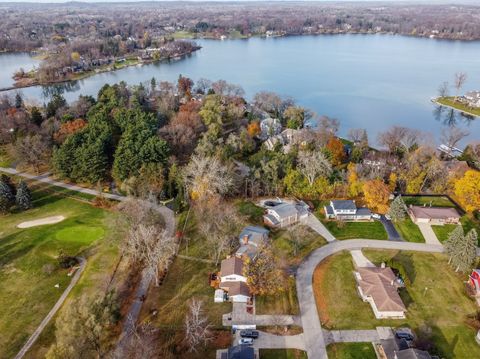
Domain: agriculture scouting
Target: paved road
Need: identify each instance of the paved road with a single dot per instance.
(392, 232)
(314, 223)
(53, 311)
(45, 178)
(428, 233)
(313, 335)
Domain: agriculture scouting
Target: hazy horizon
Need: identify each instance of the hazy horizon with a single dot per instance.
(453, 2)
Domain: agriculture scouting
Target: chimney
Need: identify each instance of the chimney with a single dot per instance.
(382, 265)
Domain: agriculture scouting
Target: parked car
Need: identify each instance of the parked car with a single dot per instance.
(404, 333)
(249, 333)
(376, 216)
(246, 341)
(388, 217)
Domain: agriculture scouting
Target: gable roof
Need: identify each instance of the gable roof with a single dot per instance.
(284, 210)
(434, 212)
(344, 204)
(254, 234)
(378, 283)
(230, 266)
(236, 288)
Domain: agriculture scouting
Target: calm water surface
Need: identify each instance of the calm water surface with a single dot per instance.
(366, 81)
(9, 63)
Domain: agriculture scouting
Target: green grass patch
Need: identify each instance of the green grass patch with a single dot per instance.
(282, 354)
(450, 101)
(248, 209)
(351, 230)
(285, 302)
(437, 305)
(351, 351)
(27, 291)
(435, 201)
(442, 232)
(183, 35)
(409, 231)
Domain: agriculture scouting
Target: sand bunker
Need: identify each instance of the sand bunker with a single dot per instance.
(40, 222)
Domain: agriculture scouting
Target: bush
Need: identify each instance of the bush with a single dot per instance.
(65, 261)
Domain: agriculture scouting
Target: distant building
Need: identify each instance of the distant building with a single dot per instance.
(377, 286)
(284, 214)
(347, 210)
(434, 215)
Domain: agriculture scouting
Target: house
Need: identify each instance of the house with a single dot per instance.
(251, 238)
(434, 215)
(239, 352)
(237, 291)
(347, 210)
(231, 270)
(270, 127)
(377, 286)
(473, 98)
(474, 281)
(284, 214)
(412, 353)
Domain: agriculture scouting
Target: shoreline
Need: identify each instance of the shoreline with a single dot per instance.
(85, 75)
(465, 111)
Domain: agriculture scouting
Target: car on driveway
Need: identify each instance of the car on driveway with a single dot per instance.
(249, 333)
(376, 216)
(388, 218)
(404, 333)
(245, 341)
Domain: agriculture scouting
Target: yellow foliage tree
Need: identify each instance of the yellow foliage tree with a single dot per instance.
(75, 56)
(354, 184)
(377, 195)
(392, 181)
(467, 190)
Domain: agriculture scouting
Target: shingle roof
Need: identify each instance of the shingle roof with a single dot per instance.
(232, 265)
(236, 288)
(378, 284)
(434, 212)
(285, 210)
(344, 204)
(255, 235)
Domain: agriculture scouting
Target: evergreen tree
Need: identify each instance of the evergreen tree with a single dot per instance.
(23, 197)
(450, 244)
(397, 209)
(36, 116)
(462, 249)
(18, 100)
(7, 198)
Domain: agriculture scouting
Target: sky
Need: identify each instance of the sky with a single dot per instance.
(389, 1)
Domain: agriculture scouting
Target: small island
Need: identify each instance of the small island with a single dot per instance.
(469, 103)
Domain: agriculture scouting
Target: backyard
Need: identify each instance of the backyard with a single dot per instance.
(28, 263)
(352, 230)
(437, 305)
(435, 201)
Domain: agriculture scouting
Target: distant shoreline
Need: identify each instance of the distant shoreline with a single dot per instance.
(458, 106)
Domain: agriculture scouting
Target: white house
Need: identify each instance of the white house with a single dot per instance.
(237, 291)
(347, 210)
(231, 270)
(377, 286)
(270, 127)
(285, 214)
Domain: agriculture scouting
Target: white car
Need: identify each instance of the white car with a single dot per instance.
(376, 216)
(245, 341)
(388, 217)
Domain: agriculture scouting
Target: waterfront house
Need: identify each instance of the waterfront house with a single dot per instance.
(473, 98)
(346, 210)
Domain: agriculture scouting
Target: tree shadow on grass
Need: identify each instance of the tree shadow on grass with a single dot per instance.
(408, 264)
(431, 338)
(11, 249)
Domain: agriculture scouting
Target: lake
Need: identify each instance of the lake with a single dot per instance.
(366, 81)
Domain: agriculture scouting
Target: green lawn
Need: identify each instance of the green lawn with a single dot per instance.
(27, 292)
(450, 101)
(351, 230)
(442, 232)
(285, 302)
(351, 351)
(248, 209)
(409, 231)
(436, 201)
(437, 305)
(282, 354)
(183, 35)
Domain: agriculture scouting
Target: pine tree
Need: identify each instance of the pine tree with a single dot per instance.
(450, 244)
(462, 249)
(397, 209)
(23, 197)
(7, 198)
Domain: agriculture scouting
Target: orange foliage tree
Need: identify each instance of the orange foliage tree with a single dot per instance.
(253, 128)
(467, 190)
(336, 148)
(354, 184)
(69, 128)
(377, 195)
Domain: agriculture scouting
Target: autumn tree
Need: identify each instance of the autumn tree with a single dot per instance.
(33, 151)
(354, 183)
(313, 165)
(198, 330)
(295, 116)
(264, 277)
(467, 190)
(337, 149)
(68, 128)
(253, 128)
(376, 195)
(184, 86)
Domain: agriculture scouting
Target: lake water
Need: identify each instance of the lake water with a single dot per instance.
(9, 63)
(366, 81)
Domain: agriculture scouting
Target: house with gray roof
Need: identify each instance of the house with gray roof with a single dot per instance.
(284, 214)
(347, 210)
(251, 238)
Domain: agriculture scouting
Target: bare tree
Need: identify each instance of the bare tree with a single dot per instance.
(143, 343)
(297, 236)
(451, 136)
(399, 138)
(197, 328)
(313, 165)
(443, 89)
(356, 135)
(207, 177)
(33, 151)
(460, 79)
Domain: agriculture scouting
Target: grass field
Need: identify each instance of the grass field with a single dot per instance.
(282, 354)
(442, 232)
(450, 101)
(409, 231)
(27, 291)
(436, 201)
(351, 230)
(437, 305)
(351, 351)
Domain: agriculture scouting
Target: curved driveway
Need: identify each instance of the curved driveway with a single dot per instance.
(312, 330)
